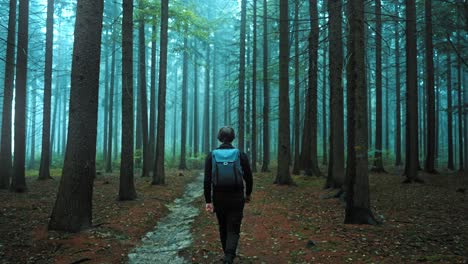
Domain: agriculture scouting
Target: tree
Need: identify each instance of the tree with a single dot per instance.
(336, 169)
(283, 175)
(111, 122)
(309, 135)
(378, 161)
(240, 109)
(142, 83)
(296, 89)
(412, 161)
(357, 181)
(206, 103)
(266, 94)
(183, 131)
(73, 207)
(5, 147)
(460, 110)
(195, 107)
(127, 187)
(152, 124)
(44, 171)
(159, 174)
(254, 89)
(18, 182)
(398, 94)
(450, 164)
(431, 140)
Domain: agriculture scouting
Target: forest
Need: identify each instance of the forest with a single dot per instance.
(353, 115)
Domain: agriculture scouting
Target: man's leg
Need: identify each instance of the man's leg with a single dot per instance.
(222, 228)
(234, 220)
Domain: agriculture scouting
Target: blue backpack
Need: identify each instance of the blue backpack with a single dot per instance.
(226, 169)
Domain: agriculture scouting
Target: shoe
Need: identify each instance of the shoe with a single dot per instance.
(228, 260)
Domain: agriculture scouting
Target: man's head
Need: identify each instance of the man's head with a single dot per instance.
(226, 134)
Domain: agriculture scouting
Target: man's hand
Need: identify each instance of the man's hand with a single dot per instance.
(209, 208)
(247, 199)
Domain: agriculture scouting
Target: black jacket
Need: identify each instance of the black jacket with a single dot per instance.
(244, 160)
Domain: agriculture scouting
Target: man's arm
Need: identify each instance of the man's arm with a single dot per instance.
(207, 181)
(247, 174)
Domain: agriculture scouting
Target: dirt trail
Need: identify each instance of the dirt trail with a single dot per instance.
(173, 232)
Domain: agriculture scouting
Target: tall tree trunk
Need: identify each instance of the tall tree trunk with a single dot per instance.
(398, 161)
(214, 111)
(412, 160)
(206, 109)
(240, 110)
(143, 92)
(18, 183)
(324, 108)
(296, 166)
(159, 174)
(336, 169)
(152, 123)
(44, 171)
(32, 158)
(127, 187)
(378, 161)
(254, 89)
(465, 100)
(460, 110)
(309, 135)
(106, 99)
(174, 131)
(266, 93)
(63, 145)
(183, 131)
(357, 181)
(111, 122)
(5, 148)
(283, 175)
(73, 208)
(430, 107)
(450, 164)
(195, 107)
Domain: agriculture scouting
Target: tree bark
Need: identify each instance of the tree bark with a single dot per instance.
(357, 182)
(44, 171)
(296, 165)
(266, 93)
(283, 175)
(18, 183)
(183, 131)
(412, 160)
(336, 169)
(72, 211)
(143, 93)
(159, 173)
(127, 187)
(378, 161)
(32, 157)
(240, 109)
(254, 89)
(450, 164)
(431, 139)
(111, 110)
(460, 111)
(195, 107)
(206, 104)
(5, 148)
(309, 135)
(398, 161)
(152, 123)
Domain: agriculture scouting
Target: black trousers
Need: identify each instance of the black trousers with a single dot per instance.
(229, 209)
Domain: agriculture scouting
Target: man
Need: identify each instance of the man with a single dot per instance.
(226, 169)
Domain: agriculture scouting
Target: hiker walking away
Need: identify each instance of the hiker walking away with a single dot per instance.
(226, 169)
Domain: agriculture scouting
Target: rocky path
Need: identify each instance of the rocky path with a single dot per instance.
(173, 232)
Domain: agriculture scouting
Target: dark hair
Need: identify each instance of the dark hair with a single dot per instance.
(226, 134)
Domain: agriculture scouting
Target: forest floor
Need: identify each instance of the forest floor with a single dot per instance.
(283, 224)
(118, 226)
(295, 224)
